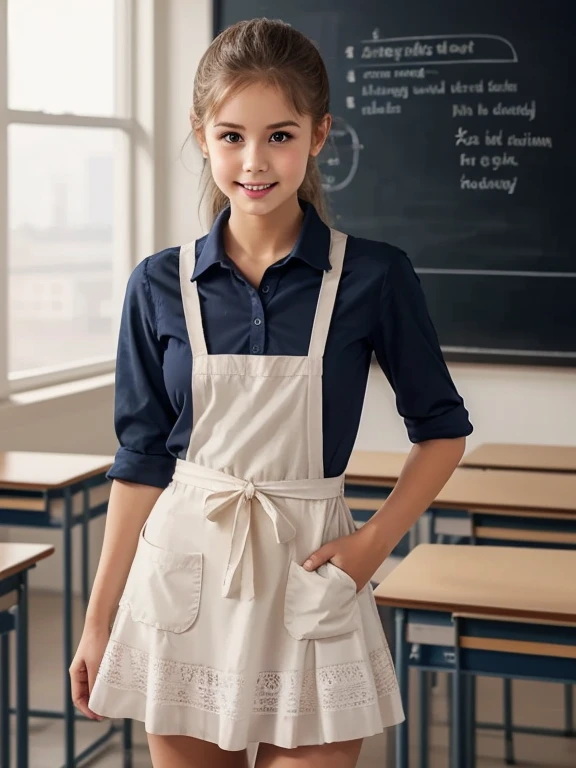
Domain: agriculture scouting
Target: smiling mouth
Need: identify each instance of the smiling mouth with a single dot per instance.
(257, 187)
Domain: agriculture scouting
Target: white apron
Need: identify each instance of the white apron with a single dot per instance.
(221, 634)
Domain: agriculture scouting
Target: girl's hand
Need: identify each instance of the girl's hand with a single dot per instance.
(84, 668)
(359, 554)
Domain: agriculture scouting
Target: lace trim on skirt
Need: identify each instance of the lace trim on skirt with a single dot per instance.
(288, 692)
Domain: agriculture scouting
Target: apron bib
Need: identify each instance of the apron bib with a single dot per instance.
(221, 634)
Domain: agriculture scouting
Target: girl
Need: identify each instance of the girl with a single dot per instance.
(245, 612)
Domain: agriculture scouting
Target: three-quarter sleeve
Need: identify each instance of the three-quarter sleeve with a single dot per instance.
(408, 351)
(143, 414)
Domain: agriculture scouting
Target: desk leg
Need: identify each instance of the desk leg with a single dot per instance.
(458, 720)
(569, 712)
(22, 675)
(5, 700)
(470, 721)
(424, 719)
(86, 548)
(458, 716)
(68, 704)
(127, 742)
(386, 615)
(508, 723)
(402, 670)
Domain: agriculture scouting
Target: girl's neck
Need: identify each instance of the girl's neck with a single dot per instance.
(263, 239)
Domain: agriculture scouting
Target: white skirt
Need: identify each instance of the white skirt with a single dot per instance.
(304, 662)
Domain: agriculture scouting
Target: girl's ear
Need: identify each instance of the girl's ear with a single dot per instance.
(199, 135)
(320, 135)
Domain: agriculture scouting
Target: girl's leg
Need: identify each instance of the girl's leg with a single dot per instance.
(340, 754)
(189, 752)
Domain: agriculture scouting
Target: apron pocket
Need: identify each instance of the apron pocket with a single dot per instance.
(321, 603)
(163, 587)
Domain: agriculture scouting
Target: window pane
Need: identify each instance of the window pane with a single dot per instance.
(62, 196)
(61, 56)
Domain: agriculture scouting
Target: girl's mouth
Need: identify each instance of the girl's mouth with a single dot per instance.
(256, 191)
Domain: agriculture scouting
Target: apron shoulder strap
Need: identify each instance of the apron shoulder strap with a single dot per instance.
(191, 300)
(327, 297)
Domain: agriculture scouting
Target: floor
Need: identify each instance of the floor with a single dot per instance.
(535, 703)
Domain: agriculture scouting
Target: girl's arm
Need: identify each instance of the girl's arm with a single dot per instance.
(427, 469)
(128, 509)
(408, 351)
(143, 466)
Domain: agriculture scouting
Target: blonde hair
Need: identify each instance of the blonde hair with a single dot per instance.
(270, 52)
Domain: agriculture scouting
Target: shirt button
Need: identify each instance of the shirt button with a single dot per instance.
(255, 349)
(265, 288)
(257, 321)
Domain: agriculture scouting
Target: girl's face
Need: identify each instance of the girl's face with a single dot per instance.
(257, 140)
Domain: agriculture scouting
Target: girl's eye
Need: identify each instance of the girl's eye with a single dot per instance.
(281, 133)
(228, 135)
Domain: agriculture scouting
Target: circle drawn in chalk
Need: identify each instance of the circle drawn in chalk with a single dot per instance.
(340, 156)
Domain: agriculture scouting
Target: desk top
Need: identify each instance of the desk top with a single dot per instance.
(515, 582)
(384, 466)
(471, 489)
(42, 471)
(488, 489)
(545, 458)
(18, 557)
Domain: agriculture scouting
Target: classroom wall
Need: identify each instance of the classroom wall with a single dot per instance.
(507, 403)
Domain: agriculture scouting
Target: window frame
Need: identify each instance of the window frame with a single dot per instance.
(134, 225)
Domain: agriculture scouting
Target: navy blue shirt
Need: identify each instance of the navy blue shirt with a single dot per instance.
(379, 308)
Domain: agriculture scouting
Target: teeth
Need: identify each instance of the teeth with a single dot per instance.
(253, 188)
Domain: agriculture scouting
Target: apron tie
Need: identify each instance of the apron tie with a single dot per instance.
(233, 495)
(240, 556)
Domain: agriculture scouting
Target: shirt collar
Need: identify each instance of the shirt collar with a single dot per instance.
(312, 246)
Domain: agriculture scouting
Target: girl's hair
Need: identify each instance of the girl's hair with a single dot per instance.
(269, 52)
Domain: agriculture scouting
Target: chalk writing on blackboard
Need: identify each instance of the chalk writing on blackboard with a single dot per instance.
(390, 77)
(439, 49)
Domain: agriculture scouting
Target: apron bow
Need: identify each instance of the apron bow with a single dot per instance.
(240, 557)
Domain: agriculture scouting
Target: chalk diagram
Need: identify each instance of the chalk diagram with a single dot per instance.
(340, 156)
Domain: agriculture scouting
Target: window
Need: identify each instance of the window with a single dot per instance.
(69, 154)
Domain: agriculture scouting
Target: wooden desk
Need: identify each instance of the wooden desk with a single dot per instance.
(383, 466)
(536, 585)
(492, 505)
(60, 490)
(15, 558)
(488, 507)
(467, 488)
(502, 612)
(44, 471)
(541, 458)
(505, 506)
(15, 562)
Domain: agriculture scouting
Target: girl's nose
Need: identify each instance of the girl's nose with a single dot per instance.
(254, 160)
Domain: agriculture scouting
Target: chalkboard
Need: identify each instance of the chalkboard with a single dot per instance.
(454, 138)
